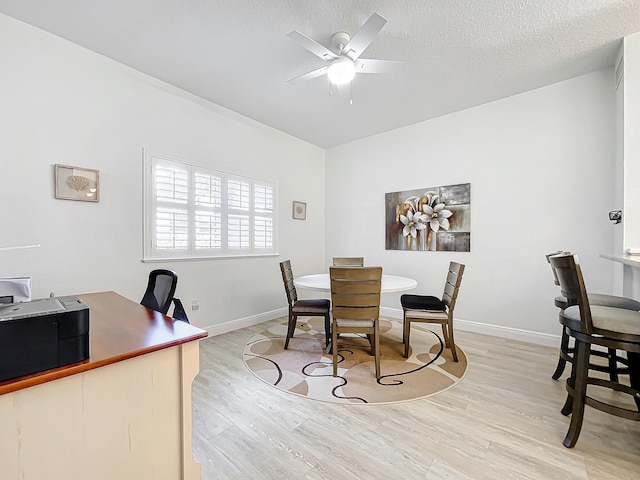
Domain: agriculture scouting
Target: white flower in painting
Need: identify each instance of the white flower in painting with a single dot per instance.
(412, 223)
(432, 198)
(437, 216)
(413, 203)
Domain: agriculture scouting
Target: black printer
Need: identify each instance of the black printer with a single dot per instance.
(42, 334)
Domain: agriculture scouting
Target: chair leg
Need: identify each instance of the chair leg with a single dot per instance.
(452, 344)
(564, 348)
(406, 331)
(633, 359)
(581, 366)
(376, 346)
(327, 331)
(445, 334)
(612, 356)
(290, 329)
(334, 347)
(567, 408)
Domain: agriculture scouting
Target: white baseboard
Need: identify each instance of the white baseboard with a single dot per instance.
(239, 323)
(530, 336)
(539, 338)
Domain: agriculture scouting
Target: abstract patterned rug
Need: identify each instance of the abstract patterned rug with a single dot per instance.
(305, 369)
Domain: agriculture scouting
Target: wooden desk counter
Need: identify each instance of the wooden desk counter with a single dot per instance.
(118, 329)
(123, 413)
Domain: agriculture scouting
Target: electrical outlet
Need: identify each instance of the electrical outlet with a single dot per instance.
(195, 304)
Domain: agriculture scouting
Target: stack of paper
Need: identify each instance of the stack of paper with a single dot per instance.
(15, 289)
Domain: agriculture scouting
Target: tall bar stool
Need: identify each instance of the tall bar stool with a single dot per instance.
(599, 299)
(590, 325)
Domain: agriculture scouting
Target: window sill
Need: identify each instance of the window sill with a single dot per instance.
(218, 257)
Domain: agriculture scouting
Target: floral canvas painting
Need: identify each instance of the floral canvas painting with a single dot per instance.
(429, 219)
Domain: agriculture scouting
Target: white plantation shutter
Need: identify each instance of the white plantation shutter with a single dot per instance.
(263, 237)
(172, 231)
(195, 212)
(263, 220)
(238, 231)
(238, 202)
(238, 194)
(171, 184)
(208, 230)
(208, 216)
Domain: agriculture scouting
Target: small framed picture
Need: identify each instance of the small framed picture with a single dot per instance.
(299, 210)
(76, 183)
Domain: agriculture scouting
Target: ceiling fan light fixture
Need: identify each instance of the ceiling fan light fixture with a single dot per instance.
(341, 70)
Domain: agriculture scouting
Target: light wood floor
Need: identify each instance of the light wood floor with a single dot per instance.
(502, 421)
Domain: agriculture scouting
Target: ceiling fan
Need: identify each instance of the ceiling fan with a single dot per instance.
(343, 59)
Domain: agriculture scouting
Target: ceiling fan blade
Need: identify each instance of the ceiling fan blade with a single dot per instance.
(311, 45)
(309, 75)
(369, 65)
(363, 37)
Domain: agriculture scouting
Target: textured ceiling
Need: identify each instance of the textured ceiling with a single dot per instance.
(236, 53)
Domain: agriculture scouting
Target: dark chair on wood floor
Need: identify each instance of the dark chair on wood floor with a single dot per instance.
(355, 298)
(600, 299)
(160, 294)
(318, 307)
(591, 325)
(430, 309)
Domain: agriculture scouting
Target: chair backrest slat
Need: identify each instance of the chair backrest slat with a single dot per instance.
(355, 299)
(348, 261)
(572, 286)
(548, 256)
(351, 313)
(355, 292)
(452, 285)
(287, 279)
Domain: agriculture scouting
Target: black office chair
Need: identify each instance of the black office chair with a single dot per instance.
(160, 289)
(159, 294)
(179, 312)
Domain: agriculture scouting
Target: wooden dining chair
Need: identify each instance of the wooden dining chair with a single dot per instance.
(317, 307)
(355, 299)
(589, 325)
(604, 300)
(348, 261)
(430, 309)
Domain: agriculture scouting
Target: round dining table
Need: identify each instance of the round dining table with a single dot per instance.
(321, 282)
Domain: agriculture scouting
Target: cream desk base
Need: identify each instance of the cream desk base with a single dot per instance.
(130, 419)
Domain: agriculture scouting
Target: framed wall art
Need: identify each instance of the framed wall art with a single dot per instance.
(77, 183)
(299, 210)
(436, 219)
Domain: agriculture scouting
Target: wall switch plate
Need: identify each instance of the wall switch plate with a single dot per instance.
(195, 304)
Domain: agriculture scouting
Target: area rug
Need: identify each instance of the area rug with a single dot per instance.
(305, 369)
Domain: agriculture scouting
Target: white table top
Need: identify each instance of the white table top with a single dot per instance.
(322, 283)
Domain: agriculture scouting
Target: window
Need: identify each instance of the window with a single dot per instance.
(196, 212)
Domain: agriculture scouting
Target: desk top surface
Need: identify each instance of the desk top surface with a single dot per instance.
(119, 329)
(322, 283)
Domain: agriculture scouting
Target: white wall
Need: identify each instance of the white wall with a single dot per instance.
(631, 139)
(60, 103)
(541, 168)
(629, 108)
